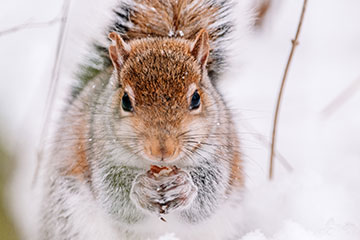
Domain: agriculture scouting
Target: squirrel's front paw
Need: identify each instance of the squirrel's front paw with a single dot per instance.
(163, 194)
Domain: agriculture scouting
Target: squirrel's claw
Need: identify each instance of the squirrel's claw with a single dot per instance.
(163, 195)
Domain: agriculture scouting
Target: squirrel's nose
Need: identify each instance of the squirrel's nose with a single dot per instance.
(161, 149)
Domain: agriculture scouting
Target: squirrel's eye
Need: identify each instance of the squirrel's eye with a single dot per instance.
(195, 101)
(126, 103)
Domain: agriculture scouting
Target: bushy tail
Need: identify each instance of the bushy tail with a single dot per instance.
(161, 18)
(179, 18)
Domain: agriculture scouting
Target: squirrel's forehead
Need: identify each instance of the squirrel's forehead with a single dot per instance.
(164, 93)
(160, 73)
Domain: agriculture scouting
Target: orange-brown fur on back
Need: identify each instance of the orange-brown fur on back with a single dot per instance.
(79, 165)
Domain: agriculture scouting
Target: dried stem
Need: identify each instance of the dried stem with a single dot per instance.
(266, 143)
(294, 44)
(53, 86)
(283, 161)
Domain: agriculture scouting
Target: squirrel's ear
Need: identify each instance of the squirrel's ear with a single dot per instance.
(200, 48)
(118, 51)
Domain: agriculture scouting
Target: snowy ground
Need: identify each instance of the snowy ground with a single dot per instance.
(320, 198)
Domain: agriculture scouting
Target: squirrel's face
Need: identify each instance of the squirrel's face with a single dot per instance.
(164, 98)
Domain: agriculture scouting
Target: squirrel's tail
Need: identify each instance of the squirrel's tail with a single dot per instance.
(135, 19)
(181, 19)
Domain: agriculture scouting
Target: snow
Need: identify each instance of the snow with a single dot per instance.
(303, 206)
(295, 231)
(319, 199)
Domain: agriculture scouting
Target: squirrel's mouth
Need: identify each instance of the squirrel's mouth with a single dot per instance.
(178, 158)
(163, 158)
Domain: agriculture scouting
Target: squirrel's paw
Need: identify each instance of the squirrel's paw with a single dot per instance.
(164, 194)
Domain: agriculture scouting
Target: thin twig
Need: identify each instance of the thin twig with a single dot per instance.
(28, 25)
(266, 143)
(294, 44)
(52, 88)
(344, 96)
(284, 162)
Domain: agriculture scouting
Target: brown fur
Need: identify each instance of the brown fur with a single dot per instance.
(79, 166)
(236, 174)
(160, 71)
(182, 21)
(160, 16)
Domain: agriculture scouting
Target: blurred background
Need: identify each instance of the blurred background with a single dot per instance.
(7, 230)
(315, 195)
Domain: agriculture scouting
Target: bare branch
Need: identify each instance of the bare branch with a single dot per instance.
(266, 143)
(343, 97)
(28, 25)
(283, 161)
(294, 44)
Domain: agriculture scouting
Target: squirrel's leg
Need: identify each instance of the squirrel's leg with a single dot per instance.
(69, 212)
(113, 185)
(211, 184)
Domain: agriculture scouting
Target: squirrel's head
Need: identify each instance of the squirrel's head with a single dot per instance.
(164, 95)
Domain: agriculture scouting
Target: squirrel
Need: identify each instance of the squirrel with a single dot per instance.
(145, 104)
